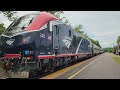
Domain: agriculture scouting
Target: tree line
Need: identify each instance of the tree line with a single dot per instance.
(11, 15)
(116, 47)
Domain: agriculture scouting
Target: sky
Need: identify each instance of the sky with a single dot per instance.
(103, 26)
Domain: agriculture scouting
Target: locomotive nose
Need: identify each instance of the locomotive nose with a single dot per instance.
(9, 42)
(16, 44)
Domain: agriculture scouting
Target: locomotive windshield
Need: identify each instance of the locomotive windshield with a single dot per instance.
(20, 24)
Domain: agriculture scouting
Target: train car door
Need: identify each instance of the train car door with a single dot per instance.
(56, 38)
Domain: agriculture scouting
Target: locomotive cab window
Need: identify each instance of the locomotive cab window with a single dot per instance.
(20, 24)
(69, 33)
(74, 40)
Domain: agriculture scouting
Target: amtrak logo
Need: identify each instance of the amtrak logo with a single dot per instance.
(10, 41)
(67, 41)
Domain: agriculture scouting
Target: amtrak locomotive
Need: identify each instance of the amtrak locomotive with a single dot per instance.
(41, 42)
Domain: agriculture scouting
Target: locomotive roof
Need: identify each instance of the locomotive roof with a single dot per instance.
(41, 20)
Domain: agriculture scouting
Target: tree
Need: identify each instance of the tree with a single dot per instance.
(97, 43)
(108, 50)
(114, 49)
(118, 39)
(93, 41)
(2, 28)
(78, 29)
(85, 35)
(66, 21)
(9, 14)
(58, 15)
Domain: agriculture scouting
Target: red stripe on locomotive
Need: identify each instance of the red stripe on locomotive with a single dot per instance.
(12, 56)
(41, 20)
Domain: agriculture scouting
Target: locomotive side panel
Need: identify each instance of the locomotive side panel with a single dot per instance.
(44, 44)
(68, 39)
(85, 46)
(96, 49)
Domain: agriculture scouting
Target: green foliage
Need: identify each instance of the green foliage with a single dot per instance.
(58, 15)
(66, 21)
(118, 39)
(108, 50)
(114, 49)
(85, 35)
(117, 59)
(2, 28)
(93, 41)
(10, 15)
(78, 29)
(97, 43)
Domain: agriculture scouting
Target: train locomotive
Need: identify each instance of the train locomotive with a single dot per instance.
(40, 41)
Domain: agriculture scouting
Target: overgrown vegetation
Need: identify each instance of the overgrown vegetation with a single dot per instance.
(117, 59)
(115, 48)
(11, 15)
(2, 28)
(78, 29)
(108, 50)
(118, 39)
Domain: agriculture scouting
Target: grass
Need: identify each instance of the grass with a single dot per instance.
(117, 59)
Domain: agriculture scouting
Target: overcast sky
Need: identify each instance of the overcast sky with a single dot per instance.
(103, 26)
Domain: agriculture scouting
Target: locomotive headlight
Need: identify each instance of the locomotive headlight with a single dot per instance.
(28, 52)
(25, 39)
